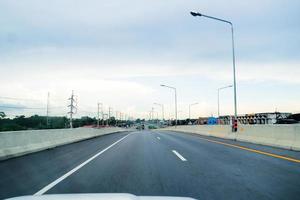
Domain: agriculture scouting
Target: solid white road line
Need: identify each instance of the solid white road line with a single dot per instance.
(179, 156)
(158, 138)
(51, 185)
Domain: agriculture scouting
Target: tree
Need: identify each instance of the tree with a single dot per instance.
(2, 115)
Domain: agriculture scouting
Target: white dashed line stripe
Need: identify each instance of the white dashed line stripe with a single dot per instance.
(179, 156)
(158, 138)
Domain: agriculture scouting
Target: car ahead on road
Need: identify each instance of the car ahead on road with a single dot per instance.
(140, 127)
(287, 121)
(107, 196)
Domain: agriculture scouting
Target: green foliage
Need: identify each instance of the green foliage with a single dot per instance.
(112, 121)
(2, 115)
(40, 122)
(84, 121)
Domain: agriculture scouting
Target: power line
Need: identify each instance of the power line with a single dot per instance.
(18, 107)
(13, 98)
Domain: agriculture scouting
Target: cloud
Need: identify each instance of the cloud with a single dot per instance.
(118, 52)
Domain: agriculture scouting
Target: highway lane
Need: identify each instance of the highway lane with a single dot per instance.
(155, 163)
(235, 173)
(27, 174)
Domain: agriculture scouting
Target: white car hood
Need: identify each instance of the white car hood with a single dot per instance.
(93, 196)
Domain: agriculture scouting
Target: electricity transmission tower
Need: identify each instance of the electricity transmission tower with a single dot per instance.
(73, 108)
(98, 111)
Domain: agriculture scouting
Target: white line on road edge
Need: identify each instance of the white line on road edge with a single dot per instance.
(51, 185)
(179, 156)
(158, 138)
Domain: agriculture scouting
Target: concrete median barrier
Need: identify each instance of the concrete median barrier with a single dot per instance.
(285, 136)
(17, 143)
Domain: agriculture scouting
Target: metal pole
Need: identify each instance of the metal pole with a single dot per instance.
(175, 102)
(109, 115)
(218, 103)
(163, 112)
(71, 112)
(190, 105)
(98, 115)
(116, 118)
(71, 109)
(102, 114)
(175, 108)
(233, 55)
(157, 122)
(219, 89)
(152, 114)
(234, 74)
(48, 96)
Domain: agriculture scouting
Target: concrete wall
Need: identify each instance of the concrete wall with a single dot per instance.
(284, 136)
(16, 143)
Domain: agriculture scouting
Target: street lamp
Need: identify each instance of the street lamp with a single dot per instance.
(190, 109)
(221, 88)
(195, 14)
(175, 101)
(162, 110)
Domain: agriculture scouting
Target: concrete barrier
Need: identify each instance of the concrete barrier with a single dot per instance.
(285, 136)
(17, 143)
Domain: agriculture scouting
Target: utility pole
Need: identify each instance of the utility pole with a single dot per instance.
(72, 108)
(109, 114)
(152, 113)
(98, 115)
(175, 92)
(190, 105)
(157, 122)
(105, 116)
(195, 14)
(102, 114)
(116, 118)
(47, 119)
(162, 110)
(221, 88)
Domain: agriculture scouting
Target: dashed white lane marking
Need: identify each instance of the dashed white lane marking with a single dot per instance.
(51, 185)
(158, 138)
(179, 156)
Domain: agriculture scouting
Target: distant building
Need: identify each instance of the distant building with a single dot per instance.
(256, 118)
(202, 120)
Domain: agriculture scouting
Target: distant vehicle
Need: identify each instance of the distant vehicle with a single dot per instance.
(140, 127)
(287, 121)
(212, 121)
(295, 117)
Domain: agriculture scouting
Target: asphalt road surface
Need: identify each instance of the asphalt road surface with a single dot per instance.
(156, 163)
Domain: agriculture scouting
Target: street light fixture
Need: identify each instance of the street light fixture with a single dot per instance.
(173, 88)
(196, 14)
(162, 110)
(221, 88)
(190, 109)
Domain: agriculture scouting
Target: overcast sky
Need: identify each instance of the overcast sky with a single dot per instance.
(119, 52)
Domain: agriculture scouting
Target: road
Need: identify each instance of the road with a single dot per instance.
(155, 163)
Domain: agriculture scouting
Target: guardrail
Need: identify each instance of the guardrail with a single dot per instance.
(277, 135)
(17, 143)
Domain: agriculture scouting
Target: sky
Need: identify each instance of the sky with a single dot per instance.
(119, 52)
